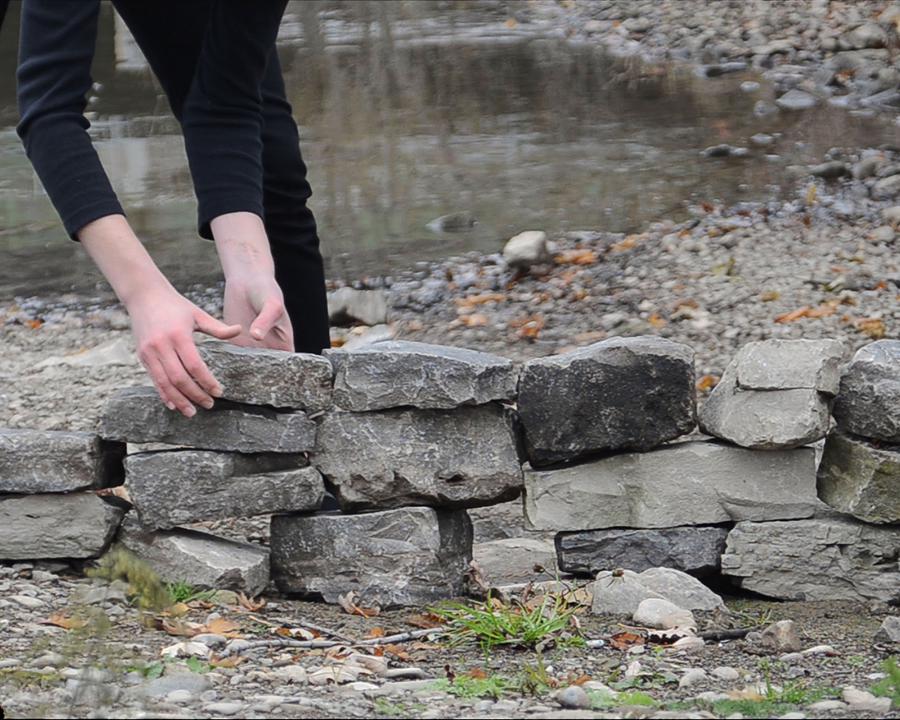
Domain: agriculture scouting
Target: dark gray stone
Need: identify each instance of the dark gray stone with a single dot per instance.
(868, 403)
(410, 556)
(623, 393)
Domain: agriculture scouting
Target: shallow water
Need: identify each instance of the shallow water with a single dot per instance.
(408, 112)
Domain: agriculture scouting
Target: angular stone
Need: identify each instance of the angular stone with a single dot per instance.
(688, 483)
(889, 631)
(198, 558)
(176, 487)
(347, 305)
(137, 415)
(75, 525)
(662, 614)
(694, 550)
(860, 479)
(790, 365)
(44, 461)
(622, 393)
(513, 560)
(869, 401)
(680, 588)
(409, 556)
(259, 376)
(621, 592)
(822, 558)
(446, 458)
(497, 522)
(526, 249)
(400, 373)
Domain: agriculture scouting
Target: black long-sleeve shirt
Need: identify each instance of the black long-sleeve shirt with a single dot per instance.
(220, 114)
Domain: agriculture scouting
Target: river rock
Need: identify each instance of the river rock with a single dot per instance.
(869, 400)
(175, 487)
(403, 373)
(513, 560)
(137, 415)
(259, 376)
(45, 461)
(409, 556)
(861, 479)
(694, 550)
(790, 365)
(795, 99)
(526, 249)
(821, 558)
(663, 615)
(622, 393)
(868, 35)
(886, 188)
(688, 483)
(347, 305)
(75, 525)
(829, 170)
(200, 559)
(446, 458)
(621, 592)
(779, 637)
(889, 631)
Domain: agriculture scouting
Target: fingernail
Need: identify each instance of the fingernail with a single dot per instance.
(190, 411)
(208, 404)
(170, 405)
(217, 391)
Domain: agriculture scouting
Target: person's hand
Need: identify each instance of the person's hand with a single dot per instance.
(256, 303)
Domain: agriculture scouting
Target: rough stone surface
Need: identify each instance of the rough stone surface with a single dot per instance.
(680, 588)
(259, 376)
(694, 550)
(662, 614)
(400, 373)
(43, 461)
(869, 400)
(504, 520)
(513, 560)
(858, 478)
(398, 557)
(175, 487)
(890, 630)
(822, 558)
(76, 525)
(622, 393)
(448, 458)
(790, 365)
(137, 415)
(347, 305)
(526, 249)
(780, 637)
(689, 483)
(201, 559)
(621, 592)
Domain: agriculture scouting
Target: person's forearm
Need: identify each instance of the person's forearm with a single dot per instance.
(242, 245)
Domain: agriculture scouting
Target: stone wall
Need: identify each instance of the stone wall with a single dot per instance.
(398, 439)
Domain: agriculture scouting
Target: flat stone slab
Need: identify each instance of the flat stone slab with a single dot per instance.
(791, 365)
(137, 415)
(200, 559)
(694, 550)
(822, 558)
(623, 393)
(75, 525)
(409, 556)
(259, 376)
(400, 373)
(176, 487)
(46, 461)
(620, 592)
(861, 479)
(687, 483)
(869, 400)
(443, 458)
(513, 560)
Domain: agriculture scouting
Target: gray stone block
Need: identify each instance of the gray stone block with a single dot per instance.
(409, 556)
(176, 487)
(791, 365)
(687, 483)
(137, 415)
(513, 560)
(444, 458)
(400, 373)
(622, 393)
(621, 593)
(259, 376)
(44, 461)
(869, 400)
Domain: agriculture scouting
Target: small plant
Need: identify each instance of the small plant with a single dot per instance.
(890, 686)
(183, 592)
(465, 686)
(383, 706)
(144, 585)
(603, 700)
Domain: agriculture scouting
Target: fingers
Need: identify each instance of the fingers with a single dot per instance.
(178, 377)
(206, 323)
(197, 369)
(168, 393)
(272, 311)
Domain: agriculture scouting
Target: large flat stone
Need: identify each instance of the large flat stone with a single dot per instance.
(75, 525)
(822, 558)
(445, 458)
(791, 365)
(137, 415)
(400, 373)
(516, 560)
(199, 559)
(622, 393)
(176, 487)
(620, 592)
(42, 461)
(861, 479)
(409, 556)
(259, 376)
(501, 521)
(694, 550)
(688, 483)
(869, 400)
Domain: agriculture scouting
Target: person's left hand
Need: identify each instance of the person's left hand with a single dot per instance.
(257, 305)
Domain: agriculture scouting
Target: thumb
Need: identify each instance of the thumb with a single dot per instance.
(206, 323)
(269, 315)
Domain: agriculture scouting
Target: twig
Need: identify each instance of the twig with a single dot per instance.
(299, 622)
(725, 634)
(324, 644)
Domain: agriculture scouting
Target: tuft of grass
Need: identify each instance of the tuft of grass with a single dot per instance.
(604, 701)
(791, 697)
(890, 686)
(183, 592)
(470, 688)
(144, 585)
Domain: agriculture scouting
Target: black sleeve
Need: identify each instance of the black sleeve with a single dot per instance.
(55, 52)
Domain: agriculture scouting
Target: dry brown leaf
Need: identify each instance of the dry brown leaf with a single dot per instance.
(474, 300)
(296, 633)
(376, 632)
(474, 320)
(64, 621)
(34, 324)
(707, 383)
(120, 491)
(578, 256)
(397, 651)
(627, 244)
(657, 321)
(349, 602)
(251, 604)
(770, 296)
(338, 342)
(873, 327)
(625, 639)
(227, 662)
(181, 628)
(426, 621)
(477, 674)
(530, 328)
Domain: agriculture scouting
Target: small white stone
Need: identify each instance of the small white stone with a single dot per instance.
(726, 673)
(865, 701)
(692, 677)
(26, 601)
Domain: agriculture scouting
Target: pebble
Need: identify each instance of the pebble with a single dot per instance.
(692, 677)
(827, 706)
(863, 701)
(573, 698)
(180, 697)
(26, 601)
(224, 708)
(726, 673)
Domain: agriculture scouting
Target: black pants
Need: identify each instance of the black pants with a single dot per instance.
(170, 34)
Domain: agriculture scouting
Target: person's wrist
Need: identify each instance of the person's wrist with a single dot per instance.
(243, 247)
(145, 290)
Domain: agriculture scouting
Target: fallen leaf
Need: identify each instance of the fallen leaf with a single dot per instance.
(475, 300)
(530, 328)
(376, 632)
(477, 674)
(228, 662)
(296, 633)
(475, 320)
(625, 639)
(770, 296)
(34, 324)
(181, 628)
(64, 621)
(185, 650)
(250, 604)
(627, 244)
(397, 651)
(426, 621)
(349, 602)
(222, 626)
(873, 327)
(707, 383)
(578, 256)
(657, 321)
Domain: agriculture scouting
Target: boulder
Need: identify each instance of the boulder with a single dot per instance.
(621, 592)
(259, 376)
(347, 305)
(403, 373)
(176, 487)
(868, 403)
(688, 483)
(46, 461)
(137, 415)
(443, 458)
(790, 365)
(526, 249)
(514, 560)
(622, 393)
(408, 556)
